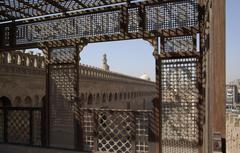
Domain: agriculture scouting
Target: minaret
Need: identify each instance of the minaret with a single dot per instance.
(105, 66)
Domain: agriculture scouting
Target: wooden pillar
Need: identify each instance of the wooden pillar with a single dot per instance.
(216, 71)
(45, 110)
(157, 127)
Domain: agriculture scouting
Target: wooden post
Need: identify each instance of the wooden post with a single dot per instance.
(216, 71)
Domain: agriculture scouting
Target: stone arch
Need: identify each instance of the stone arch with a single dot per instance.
(19, 60)
(9, 58)
(98, 98)
(27, 61)
(5, 102)
(110, 97)
(42, 64)
(120, 96)
(35, 62)
(125, 95)
(115, 97)
(90, 99)
(94, 97)
(104, 98)
(17, 101)
(28, 101)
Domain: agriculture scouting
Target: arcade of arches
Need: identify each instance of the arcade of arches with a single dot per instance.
(23, 78)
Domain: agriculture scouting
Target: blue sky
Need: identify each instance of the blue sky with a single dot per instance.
(134, 57)
(233, 40)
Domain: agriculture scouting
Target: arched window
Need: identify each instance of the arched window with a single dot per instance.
(125, 96)
(27, 102)
(115, 97)
(27, 61)
(104, 98)
(97, 98)
(90, 99)
(18, 101)
(43, 64)
(5, 102)
(110, 97)
(19, 60)
(35, 63)
(120, 96)
(9, 58)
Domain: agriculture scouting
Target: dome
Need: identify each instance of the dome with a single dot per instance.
(145, 77)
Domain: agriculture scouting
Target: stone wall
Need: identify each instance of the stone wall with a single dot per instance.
(22, 76)
(233, 132)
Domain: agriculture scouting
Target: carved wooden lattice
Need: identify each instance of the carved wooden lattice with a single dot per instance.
(172, 15)
(115, 131)
(37, 128)
(62, 89)
(88, 127)
(151, 17)
(180, 115)
(22, 126)
(174, 44)
(142, 132)
(18, 127)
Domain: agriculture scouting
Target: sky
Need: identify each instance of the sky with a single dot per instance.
(134, 57)
(232, 40)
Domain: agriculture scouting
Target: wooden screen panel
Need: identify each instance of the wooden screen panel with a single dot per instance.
(179, 106)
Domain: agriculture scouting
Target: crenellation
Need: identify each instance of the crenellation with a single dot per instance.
(95, 87)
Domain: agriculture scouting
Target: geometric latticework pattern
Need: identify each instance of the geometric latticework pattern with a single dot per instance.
(174, 44)
(37, 128)
(133, 25)
(63, 55)
(62, 89)
(63, 80)
(106, 23)
(172, 15)
(156, 17)
(18, 126)
(142, 135)
(180, 102)
(23, 126)
(18, 9)
(115, 131)
(118, 131)
(88, 126)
